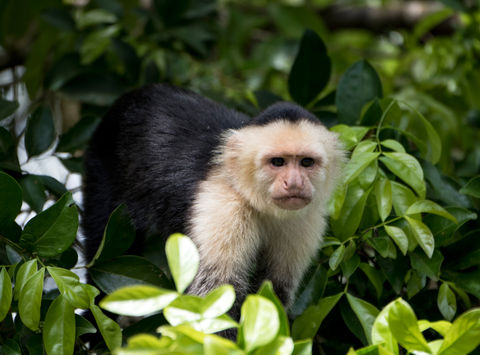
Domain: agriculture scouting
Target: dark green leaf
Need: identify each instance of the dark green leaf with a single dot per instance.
(111, 332)
(311, 70)
(33, 192)
(70, 287)
(374, 276)
(127, 270)
(25, 271)
(78, 136)
(75, 165)
(472, 187)
(394, 270)
(54, 230)
(7, 108)
(337, 257)
(83, 326)
(30, 300)
(10, 198)
(40, 131)
(5, 293)
(59, 18)
(59, 328)
(366, 314)
(310, 290)
(427, 266)
(53, 185)
(118, 236)
(407, 168)
(11, 347)
(95, 89)
(8, 152)
(359, 85)
(97, 42)
(423, 235)
(446, 302)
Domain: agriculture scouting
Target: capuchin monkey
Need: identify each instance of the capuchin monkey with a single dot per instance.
(250, 193)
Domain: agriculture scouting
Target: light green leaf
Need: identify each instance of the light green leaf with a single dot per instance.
(427, 206)
(441, 327)
(383, 195)
(97, 42)
(302, 347)
(463, 336)
(218, 301)
(472, 187)
(30, 300)
(402, 198)
(213, 325)
(350, 136)
(59, 328)
(337, 257)
(259, 322)
(282, 345)
(446, 301)
(215, 345)
(407, 168)
(399, 237)
(357, 164)
(138, 300)
(183, 260)
(266, 290)
(5, 293)
(404, 327)
(423, 235)
(393, 145)
(381, 333)
(184, 309)
(366, 314)
(25, 271)
(110, 330)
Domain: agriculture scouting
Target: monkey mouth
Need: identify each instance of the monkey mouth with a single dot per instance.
(291, 202)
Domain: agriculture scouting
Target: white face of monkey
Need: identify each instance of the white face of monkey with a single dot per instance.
(283, 165)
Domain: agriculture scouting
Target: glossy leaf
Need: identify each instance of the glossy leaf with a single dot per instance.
(393, 145)
(423, 235)
(183, 260)
(357, 164)
(185, 309)
(407, 168)
(402, 198)
(302, 347)
(446, 301)
(359, 85)
(472, 187)
(7, 108)
(69, 285)
(40, 132)
(350, 136)
(59, 328)
(429, 266)
(463, 336)
(259, 322)
(125, 271)
(5, 293)
(138, 300)
(441, 327)
(33, 192)
(426, 206)
(266, 290)
(30, 300)
(365, 312)
(25, 271)
(215, 345)
(399, 237)
(383, 196)
(110, 330)
(306, 326)
(381, 332)
(218, 301)
(280, 346)
(54, 230)
(311, 69)
(337, 257)
(118, 236)
(10, 198)
(404, 327)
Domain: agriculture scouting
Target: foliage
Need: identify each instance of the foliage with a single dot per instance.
(403, 220)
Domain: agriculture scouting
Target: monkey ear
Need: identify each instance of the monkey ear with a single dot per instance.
(232, 149)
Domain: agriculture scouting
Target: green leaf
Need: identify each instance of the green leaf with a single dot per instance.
(97, 42)
(25, 271)
(184, 309)
(10, 198)
(70, 287)
(383, 196)
(218, 301)
(463, 336)
(374, 276)
(110, 330)
(125, 271)
(441, 327)
(366, 314)
(306, 326)
(40, 131)
(266, 290)
(11, 347)
(302, 347)
(357, 164)
(33, 192)
(407, 168)
(359, 85)
(5, 293)
(183, 260)
(350, 136)
(399, 237)
(311, 69)
(423, 235)
(384, 246)
(337, 257)
(83, 326)
(59, 328)
(282, 345)
(118, 236)
(78, 136)
(94, 17)
(416, 282)
(429, 266)
(472, 187)
(447, 302)
(215, 345)
(381, 332)
(54, 230)
(310, 289)
(393, 145)
(30, 300)
(402, 198)
(404, 327)
(426, 206)
(138, 300)
(7, 108)
(259, 322)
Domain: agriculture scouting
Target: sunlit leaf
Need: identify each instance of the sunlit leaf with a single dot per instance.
(30, 300)
(5, 293)
(463, 336)
(59, 328)
(423, 235)
(183, 260)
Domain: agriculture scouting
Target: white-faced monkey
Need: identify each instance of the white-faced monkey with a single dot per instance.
(250, 193)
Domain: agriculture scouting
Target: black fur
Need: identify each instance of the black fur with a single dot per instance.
(150, 152)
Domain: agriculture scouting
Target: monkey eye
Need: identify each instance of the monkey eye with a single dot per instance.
(307, 162)
(277, 161)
